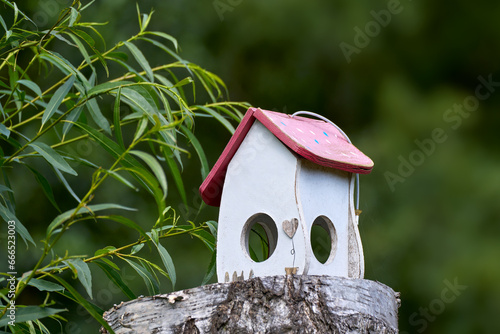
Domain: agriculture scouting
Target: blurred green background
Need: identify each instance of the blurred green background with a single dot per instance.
(431, 206)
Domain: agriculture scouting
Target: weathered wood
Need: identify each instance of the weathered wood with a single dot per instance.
(277, 304)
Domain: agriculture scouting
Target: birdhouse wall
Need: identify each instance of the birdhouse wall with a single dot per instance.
(269, 184)
(260, 179)
(324, 197)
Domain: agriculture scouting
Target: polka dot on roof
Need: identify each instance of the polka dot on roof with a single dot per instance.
(320, 138)
(312, 139)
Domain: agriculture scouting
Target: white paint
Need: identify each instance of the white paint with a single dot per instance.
(260, 178)
(325, 192)
(264, 176)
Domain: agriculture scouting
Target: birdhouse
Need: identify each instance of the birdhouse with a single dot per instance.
(280, 178)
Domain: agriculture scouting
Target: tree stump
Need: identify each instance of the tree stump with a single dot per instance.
(276, 304)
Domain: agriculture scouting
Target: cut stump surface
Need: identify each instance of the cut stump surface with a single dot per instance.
(276, 304)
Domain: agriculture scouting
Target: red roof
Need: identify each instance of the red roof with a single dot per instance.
(314, 140)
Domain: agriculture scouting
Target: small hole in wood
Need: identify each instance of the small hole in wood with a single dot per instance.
(323, 239)
(260, 236)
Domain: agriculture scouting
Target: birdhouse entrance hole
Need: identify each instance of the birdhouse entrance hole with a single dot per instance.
(323, 239)
(259, 237)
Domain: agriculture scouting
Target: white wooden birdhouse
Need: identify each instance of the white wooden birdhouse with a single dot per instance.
(280, 178)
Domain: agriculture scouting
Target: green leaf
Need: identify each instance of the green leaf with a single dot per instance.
(155, 167)
(232, 114)
(210, 271)
(97, 115)
(139, 57)
(114, 276)
(107, 87)
(8, 34)
(60, 37)
(207, 238)
(4, 188)
(176, 173)
(166, 36)
(68, 295)
(104, 250)
(41, 326)
(165, 82)
(4, 130)
(127, 222)
(16, 12)
(63, 64)
(183, 82)
(218, 117)
(52, 157)
(66, 185)
(145, 21)
(73, 17)
(44, 285)
(151, 282)
(30, 313)
(133, 166)
(31, 85)
(72, 117)
(91, 43)
(57, 98)
(129, 69)
(141, 127)
(86, 37)
(47, 189)
(10, 201)
(212, 225)
(110, 263)
(199, 150)
(91, 209)
(2, 111)
(167, 261)
(82, 301)
(122, 180)
(31, 327)
(81, 48)
(117, 55)
(116, 120)
(136, 248)
(113, 148)
(83, 273)
(7, 215)
(2, 22)
(141, 100)
(138, 14)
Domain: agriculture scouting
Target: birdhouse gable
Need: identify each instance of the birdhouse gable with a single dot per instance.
(259, 190)
(314, 140)
(285, 187)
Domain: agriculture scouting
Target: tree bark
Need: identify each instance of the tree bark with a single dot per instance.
(276, 304)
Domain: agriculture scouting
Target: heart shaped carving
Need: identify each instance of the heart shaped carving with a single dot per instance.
(290, 227)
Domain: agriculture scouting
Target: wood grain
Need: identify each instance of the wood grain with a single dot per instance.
(277, 304)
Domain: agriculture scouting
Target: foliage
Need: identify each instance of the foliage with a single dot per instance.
(49, 105)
